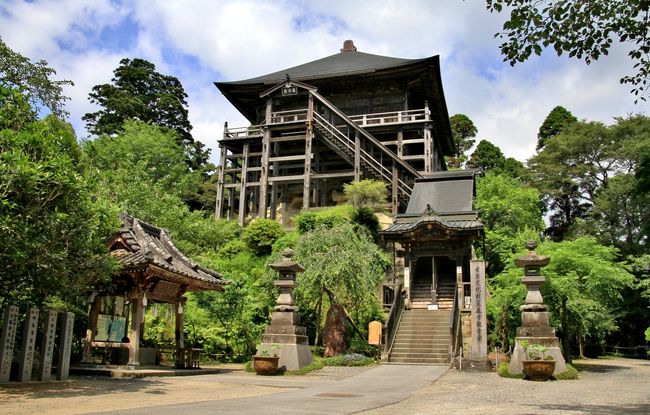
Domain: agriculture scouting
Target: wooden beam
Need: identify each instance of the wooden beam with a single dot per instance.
(219, 201)
(264, 176)
(357, 157)
(242, 188)
(288, 158)
(295, 178)
(306, 193)
(428, 159)
(332, 175)
(394, 191)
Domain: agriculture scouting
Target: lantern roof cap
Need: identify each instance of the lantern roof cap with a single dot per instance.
(532, 259)
(286, 263)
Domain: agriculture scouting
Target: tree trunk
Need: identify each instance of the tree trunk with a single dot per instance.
(334, 334)
(319, 310)
(566, 341)
(581, 345)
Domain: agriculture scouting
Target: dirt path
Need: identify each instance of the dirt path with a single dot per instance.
(606, 386)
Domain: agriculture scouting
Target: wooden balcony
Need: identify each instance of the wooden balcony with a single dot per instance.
(300, 116)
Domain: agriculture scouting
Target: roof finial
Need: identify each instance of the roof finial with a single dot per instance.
(348, 46)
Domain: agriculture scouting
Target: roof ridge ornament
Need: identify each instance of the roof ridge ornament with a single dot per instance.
(348, 46)
(429, 211)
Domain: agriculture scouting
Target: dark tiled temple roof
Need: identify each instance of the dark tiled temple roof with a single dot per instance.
(443, 199)
(451, 224)
(146, 245)
(339, 64)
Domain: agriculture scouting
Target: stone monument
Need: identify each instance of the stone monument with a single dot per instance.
(285, 330)
(535, 327)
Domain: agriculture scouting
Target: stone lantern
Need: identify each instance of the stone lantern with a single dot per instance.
(285, 332)
(535, 327)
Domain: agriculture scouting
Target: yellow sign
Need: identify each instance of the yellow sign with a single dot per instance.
(374, 332)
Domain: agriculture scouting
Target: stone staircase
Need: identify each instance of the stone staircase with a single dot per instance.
(422, 338)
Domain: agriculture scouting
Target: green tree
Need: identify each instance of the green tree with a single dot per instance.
(489, 157)
(584, 29)
(53, 227)
(574, 170)
(556, 121)
(344, 261)
(261, 234)
(583, 289)
(464, 132)
(366, 193)
(17, 71)
(511, 213)
(138, 91)
(141, 171)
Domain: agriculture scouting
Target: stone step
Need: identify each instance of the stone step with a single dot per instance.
(420, 361)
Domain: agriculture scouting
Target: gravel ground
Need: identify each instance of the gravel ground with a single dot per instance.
(605, 386)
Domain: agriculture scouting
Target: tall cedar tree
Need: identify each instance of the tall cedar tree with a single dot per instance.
(556, 120)
(138, 91)
(464, 132)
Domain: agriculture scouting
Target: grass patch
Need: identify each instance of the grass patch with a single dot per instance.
(505, 373)
(320, 362)
(571, 373)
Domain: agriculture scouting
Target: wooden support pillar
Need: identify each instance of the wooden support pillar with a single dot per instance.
(95, 304)
(394, 190)
(428, 150)
(306, 192)
(218, 209)
(179, 333)
(242, 186)
(274, 185)
(137, 313)
(357, 157)
(407, 278)
(231, 203)
(264, 175)
(284, 200)
(459, 283)
(400, 142)
(434, 281)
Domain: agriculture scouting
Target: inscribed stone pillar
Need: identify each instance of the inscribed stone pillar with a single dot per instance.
(65, 346)
(479, 320)
(29, 341)
(7, 341)
(47, 344)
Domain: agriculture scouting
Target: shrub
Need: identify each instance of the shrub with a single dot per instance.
(232, 248)
(571, 373)
(308, 220)
(261, 234)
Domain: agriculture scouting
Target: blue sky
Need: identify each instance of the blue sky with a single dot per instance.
(202, 41)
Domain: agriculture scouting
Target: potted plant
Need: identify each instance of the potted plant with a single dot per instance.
(539, 365)
(265, 362)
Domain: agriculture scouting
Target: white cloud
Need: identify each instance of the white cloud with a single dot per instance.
(204, 41)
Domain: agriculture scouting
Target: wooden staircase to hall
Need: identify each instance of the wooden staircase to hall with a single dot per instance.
(422, 337)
